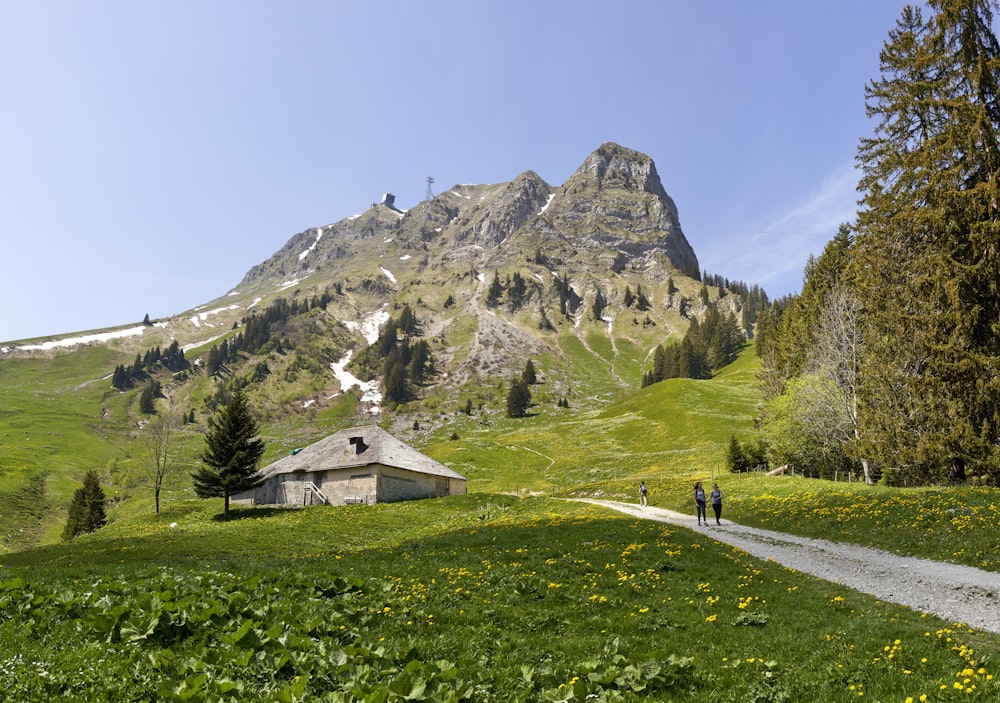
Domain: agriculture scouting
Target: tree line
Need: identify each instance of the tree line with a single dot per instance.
(707, 346)
(126, 377)
(888, 362)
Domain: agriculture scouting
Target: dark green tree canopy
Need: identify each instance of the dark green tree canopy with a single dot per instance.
(232, 453)
(518, 398)
(926, 258)
(86, 510)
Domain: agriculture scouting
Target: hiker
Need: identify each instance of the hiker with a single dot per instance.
(642, 492)
(717, 502)
(699, 500)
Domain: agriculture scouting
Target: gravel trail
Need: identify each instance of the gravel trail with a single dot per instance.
(959, 594)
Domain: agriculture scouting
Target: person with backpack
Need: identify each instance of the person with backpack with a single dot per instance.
(642, 492)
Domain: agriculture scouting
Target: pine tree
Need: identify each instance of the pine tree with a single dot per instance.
(86, 510)
(529, 376)
(147, 399)
(926, 255)
(232, 453)
(495, 290)
(518, 398)
(641, 301)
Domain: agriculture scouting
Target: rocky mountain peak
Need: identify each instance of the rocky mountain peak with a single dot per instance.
(616, 201)
(614, 166)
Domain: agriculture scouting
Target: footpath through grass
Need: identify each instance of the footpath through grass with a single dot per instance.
(474, 598)
(957, 525)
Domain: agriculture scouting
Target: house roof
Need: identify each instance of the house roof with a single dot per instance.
(359, 446)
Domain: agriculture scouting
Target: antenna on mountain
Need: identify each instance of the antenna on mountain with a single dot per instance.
(430, 193)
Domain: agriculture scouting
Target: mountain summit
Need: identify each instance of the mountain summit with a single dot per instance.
(613, 208)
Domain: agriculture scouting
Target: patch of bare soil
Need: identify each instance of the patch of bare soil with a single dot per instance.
(959, 594)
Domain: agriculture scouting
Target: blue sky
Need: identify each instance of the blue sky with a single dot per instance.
(151, 153)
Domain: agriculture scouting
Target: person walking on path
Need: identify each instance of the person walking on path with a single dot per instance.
(699, 501)
(642, 492)
(717, 502)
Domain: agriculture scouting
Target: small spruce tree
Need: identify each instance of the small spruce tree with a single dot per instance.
(86, 510)
(231, 454)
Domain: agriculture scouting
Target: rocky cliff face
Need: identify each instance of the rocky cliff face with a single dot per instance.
(613, 212)
(615, 201)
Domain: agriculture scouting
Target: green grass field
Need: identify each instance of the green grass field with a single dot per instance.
(512, 593)
(484, 597)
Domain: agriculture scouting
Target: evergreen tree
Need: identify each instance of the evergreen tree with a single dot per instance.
(232, 453)
(86, 510)
(420, 364)
(147, 405)
(518, 398)
(926, 255)
(735, 458)
(495, 290)
(641, 302)
(528, 375)
(629, 297)
(516, 291)
(659, 364)
(394, 375)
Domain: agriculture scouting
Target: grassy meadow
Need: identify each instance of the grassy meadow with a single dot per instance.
(485, 597)
(512, 593)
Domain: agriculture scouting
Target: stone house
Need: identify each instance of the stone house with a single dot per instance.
(357, 465)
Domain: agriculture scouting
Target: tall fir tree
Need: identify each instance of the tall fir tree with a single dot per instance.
(926, 254)
(231, 454)
(518, 398)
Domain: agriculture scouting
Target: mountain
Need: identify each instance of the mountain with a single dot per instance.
(426, 313)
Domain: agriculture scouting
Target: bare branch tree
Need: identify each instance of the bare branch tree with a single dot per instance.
(161, 440)
(835, 358)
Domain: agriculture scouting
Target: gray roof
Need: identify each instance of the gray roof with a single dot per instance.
(359, 446)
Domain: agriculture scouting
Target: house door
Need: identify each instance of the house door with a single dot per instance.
(442, 487)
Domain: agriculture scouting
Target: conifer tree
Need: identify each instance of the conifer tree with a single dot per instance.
(641, 301)
(231, 454)
(926, 255)
(86, 510)
(529, 376)
(147, 398)
(518, 398)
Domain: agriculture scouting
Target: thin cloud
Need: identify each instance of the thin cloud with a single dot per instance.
(776, 252)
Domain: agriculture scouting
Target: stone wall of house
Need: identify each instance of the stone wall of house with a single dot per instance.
(397, 484)
(357, 485)
(363, 484)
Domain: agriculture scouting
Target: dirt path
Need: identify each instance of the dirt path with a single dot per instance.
(959, 594)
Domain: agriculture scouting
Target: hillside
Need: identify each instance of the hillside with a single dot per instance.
(584, 279)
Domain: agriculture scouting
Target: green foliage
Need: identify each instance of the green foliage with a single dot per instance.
(86, 510)
(456, 600)
(232, 453)
(529, 376)
(518, 398)
(707, 346)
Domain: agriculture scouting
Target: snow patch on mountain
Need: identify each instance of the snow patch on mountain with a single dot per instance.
(319, 236)
(82, 339)
(203, 316)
